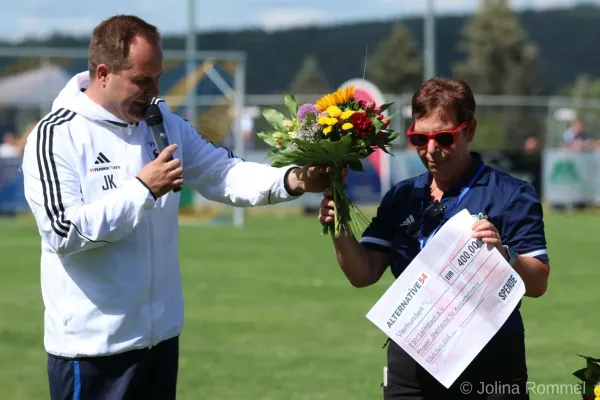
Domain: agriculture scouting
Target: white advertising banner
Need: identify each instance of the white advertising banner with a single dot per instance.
(570, 177)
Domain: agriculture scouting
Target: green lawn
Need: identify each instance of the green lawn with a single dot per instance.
(269, 315)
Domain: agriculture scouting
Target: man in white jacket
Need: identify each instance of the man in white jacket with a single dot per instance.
(103, 201)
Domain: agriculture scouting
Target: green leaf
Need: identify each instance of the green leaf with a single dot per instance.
(580, 374)
(280, 160)
(325, 152)
(327, 148)
(385, 106)
(266, 137)
(280, 163)
(338, 148)
(588, 358)
(394, 114)
(275, 118)
(291, 104)
(382, 147)
(376, 123)
(391, 135)
(356, 166)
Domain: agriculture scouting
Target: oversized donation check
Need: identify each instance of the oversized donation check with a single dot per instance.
(450, 301)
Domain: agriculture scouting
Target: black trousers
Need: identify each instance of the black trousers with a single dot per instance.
(499, 372)
(145, 374)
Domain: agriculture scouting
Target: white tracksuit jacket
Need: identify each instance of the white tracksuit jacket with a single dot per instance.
(109, 265)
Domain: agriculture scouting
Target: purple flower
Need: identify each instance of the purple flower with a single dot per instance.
(306, 109)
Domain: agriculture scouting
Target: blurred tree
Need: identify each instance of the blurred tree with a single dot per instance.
(584, 87)
(395, 66)
(309, 79)
(500, 60)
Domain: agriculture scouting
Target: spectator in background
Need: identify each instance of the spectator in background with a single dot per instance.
(9, 147)
(531, 145)
(14, 146)
(575, 137)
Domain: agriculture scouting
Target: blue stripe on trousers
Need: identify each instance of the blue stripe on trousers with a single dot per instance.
(76, 381)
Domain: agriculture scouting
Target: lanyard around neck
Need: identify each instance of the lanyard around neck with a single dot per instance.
(422, 240)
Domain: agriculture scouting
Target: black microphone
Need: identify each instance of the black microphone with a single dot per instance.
(154, 119)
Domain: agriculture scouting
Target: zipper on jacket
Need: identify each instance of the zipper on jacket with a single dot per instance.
(151, 271)
(150, 292)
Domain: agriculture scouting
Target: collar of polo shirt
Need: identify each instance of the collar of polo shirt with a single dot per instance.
(424, 180)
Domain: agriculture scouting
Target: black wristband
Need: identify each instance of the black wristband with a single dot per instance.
(146, 186)
(285, 183)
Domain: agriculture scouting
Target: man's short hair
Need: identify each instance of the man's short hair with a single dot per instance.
(451, 97)
(112, 39)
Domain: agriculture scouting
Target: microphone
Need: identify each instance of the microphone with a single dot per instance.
(154, 119)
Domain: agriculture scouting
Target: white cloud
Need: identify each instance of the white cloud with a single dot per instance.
(284, 18)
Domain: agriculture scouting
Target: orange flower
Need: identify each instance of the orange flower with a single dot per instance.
(336, 98)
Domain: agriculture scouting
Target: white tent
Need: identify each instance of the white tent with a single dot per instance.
(33, 88)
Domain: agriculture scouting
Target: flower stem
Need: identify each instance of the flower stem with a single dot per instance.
(348, 219)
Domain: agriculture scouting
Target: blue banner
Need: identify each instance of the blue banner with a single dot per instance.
(12, 196)
(364, 187)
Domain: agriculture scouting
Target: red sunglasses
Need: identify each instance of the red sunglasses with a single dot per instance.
(444, 138)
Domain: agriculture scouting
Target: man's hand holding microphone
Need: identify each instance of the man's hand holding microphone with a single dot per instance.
(163, 174)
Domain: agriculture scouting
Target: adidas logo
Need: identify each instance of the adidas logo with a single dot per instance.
(101, 159)
(408, 221)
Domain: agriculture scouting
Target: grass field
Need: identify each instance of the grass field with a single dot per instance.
(269, 315)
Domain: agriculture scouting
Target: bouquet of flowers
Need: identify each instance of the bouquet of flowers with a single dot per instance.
(337, 131)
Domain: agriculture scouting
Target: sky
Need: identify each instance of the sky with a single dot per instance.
(38, 18)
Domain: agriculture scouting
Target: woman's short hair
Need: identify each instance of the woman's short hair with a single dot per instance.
(112, 39)
(453, 99)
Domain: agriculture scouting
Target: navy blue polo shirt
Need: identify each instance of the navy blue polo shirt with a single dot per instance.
(511, 204)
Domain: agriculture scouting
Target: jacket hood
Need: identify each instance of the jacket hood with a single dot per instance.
(73, 98)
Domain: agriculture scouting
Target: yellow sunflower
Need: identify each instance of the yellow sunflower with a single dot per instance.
(335, 99)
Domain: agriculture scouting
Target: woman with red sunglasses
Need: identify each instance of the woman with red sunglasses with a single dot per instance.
(507, 214)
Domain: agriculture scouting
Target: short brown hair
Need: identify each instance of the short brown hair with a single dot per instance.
(453, 98)
(111, 41)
